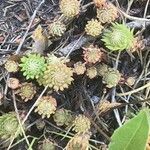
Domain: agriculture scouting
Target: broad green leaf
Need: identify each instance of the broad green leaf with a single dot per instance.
(132, 135)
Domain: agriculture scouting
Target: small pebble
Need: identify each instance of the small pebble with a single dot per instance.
(95, 99)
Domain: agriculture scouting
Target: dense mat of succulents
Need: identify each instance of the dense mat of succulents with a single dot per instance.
(73, 67)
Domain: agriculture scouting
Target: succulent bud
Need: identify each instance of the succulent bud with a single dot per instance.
(57, 28)
(111, 78)
(99, 3)
(130, 81)
(93, 28)
(26, 91)
(9, 125)
(79, 68)
(102, 69)
(91, 72)
(11, 66)
(63, 117)
(81, 124)
(13, 83)
(70, 8)
(138, 44)
(46, 106)
(92, 54)
(46, 144)
(107, 14)
(40, 124)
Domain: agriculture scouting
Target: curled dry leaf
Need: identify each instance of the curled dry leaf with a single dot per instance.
(105, 106)
(40, 40)
(79, 141)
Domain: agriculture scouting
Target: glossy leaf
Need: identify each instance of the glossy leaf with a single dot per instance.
(132, 135)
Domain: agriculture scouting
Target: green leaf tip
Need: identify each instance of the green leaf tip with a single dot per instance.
(133, 134)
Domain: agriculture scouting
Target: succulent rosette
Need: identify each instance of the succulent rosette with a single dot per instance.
(9, 126)
(57, 28)
(58, 76)
(111, 78)
(46, 106)
(46, 144)
(107, 14)
(52, 59)
(81, 124)
(63, 117)
(91, 72)
(102, 69)
(33, 65)
(70, 8)
(118, 37)
(79, 68)
(26, 91)
(93, 28)
(11, 66)
(92, 54)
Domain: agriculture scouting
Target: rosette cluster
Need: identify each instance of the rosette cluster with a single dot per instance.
(58, 75)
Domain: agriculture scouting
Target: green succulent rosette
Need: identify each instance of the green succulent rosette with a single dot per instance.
(9, 125)
(33, 66)
(119, 37)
